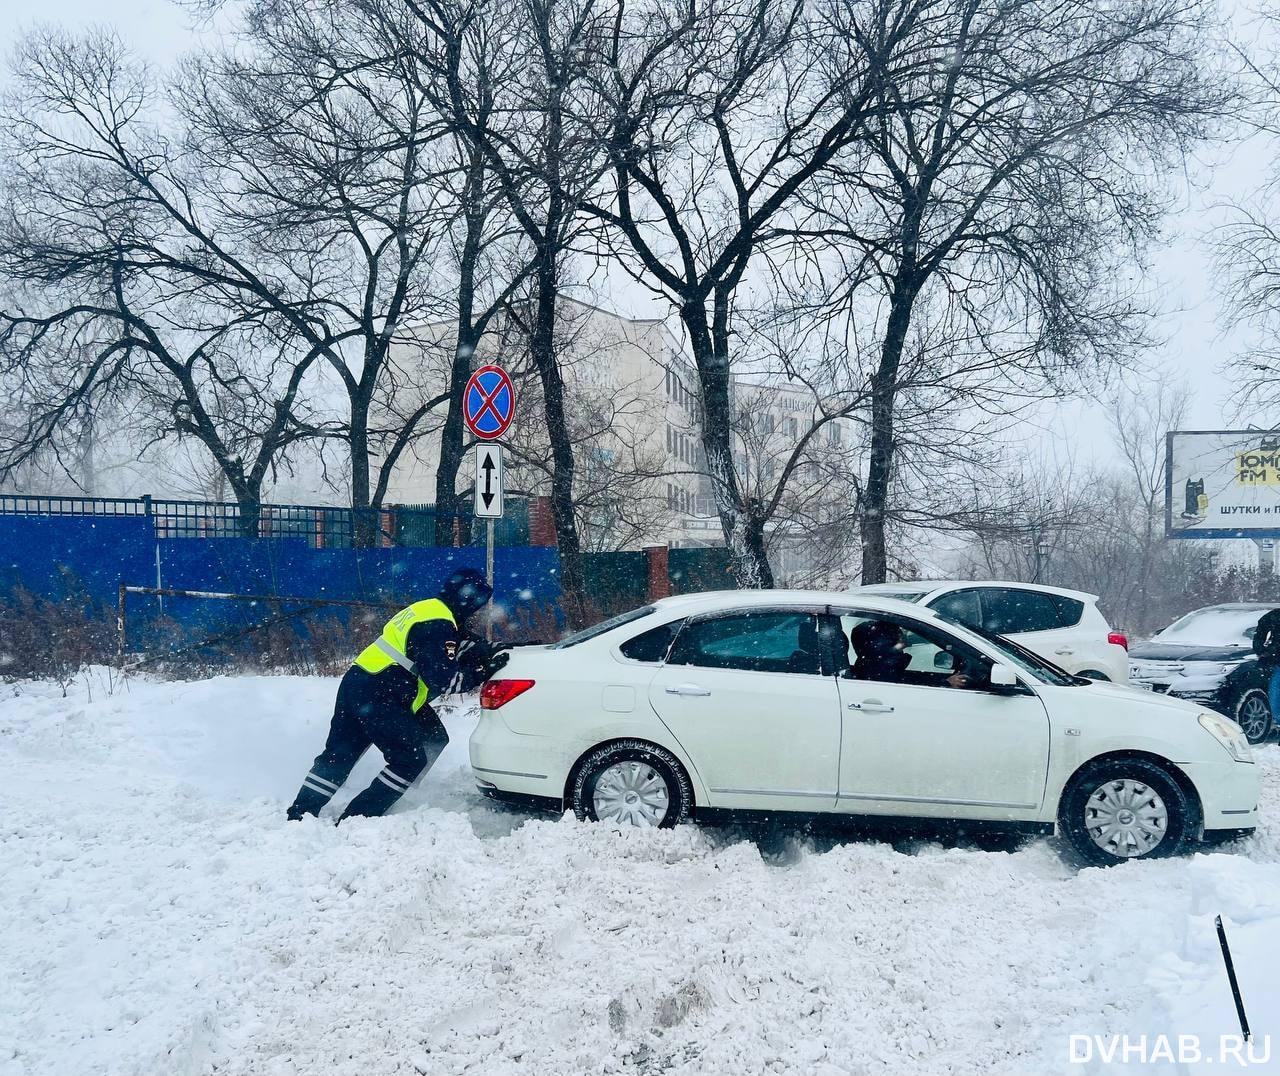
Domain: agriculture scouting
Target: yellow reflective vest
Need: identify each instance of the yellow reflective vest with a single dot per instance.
(389, 648)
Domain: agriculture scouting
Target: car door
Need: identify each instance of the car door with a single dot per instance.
(755, 707)
(923, 747)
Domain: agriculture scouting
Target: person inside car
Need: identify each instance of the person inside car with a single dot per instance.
(881, 652)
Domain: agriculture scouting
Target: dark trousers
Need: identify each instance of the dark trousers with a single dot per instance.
(373, 711)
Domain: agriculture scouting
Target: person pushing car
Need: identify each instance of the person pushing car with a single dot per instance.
(384, 699)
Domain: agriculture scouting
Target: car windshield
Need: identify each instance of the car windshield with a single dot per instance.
(604, 625)
(1213, 627)
(1028, 661)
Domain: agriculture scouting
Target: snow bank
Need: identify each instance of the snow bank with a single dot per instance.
(160, 917)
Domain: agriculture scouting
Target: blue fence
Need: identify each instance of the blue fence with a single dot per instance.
(90, 557)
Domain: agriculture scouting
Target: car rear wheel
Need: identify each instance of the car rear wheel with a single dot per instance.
(632, 783)
(1253, 714)
(1116, 810)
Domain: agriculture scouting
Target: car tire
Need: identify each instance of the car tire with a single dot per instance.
(1142, 799)
(1252, 712)
(1095, 674)
(631, 783)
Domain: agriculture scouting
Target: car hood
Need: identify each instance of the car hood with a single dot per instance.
(1103, 691)
(1155, 650)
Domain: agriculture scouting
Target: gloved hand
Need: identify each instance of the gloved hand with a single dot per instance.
(474, 652)
(495, 664)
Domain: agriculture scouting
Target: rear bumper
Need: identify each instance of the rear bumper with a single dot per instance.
(1229, 793)
(516, 799)
(518, 764)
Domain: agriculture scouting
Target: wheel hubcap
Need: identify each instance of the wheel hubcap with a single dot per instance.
(1126, 818)
(1254, 715)
(632, 793)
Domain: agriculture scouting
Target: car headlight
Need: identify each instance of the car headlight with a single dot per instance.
(1229, 734)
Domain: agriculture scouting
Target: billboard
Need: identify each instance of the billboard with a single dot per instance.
(1222, 484)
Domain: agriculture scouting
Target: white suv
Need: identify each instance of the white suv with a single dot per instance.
(1064, 627)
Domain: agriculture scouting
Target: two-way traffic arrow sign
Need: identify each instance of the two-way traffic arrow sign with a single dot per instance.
(488, 501)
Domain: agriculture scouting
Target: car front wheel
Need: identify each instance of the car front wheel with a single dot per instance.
(1116, 810)
(632, 783)
(1253, 715)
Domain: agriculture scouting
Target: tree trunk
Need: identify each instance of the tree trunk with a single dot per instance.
(364, 523)
(250, 505)
(452, 447)
(542, 351)
(884, 389)
(741, 522)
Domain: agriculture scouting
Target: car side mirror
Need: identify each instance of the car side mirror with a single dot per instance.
(944, 661)
(1003, 677)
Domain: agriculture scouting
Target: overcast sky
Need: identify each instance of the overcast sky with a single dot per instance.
(1183, 273)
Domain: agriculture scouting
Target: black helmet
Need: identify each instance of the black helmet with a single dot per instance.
(465, 592)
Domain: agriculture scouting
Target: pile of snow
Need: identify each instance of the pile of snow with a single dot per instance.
(159, 916)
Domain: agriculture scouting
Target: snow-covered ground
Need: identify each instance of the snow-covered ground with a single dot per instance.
(158, 916)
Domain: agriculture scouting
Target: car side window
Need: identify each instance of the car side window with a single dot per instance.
(889, 650)
(961, 606)
(652, 645)
(1008, 611)
(1070, 611)
(754, 641)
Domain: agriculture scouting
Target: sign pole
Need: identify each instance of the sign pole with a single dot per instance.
(488, 573)
(488, 406)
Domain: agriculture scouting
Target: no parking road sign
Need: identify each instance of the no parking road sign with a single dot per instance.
(488, 402)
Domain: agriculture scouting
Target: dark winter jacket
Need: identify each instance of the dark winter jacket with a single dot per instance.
(1266, 638)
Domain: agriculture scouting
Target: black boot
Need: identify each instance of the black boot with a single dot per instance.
(314, 794)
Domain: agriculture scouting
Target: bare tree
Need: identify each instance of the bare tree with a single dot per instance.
(329, 162)
(544, 66)
(1101, 529)
(302, 196)
(97, 320)
(1003, 184)
(721, 113)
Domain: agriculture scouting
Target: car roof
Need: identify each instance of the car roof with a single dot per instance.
(930, 587)
(747, 599)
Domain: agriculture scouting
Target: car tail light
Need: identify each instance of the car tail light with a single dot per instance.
(1118, 638)
(497, 693)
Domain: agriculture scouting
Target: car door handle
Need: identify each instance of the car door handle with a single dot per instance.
(1065, 650)
(871, 707)
(687, 689)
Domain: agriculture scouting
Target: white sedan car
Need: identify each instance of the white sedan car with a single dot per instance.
(852, 705)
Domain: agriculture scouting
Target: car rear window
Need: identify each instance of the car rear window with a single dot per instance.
(894, 592)
(1214, 626)
(604, 625)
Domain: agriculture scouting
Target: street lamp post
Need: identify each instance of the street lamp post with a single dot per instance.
(1041, 549)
